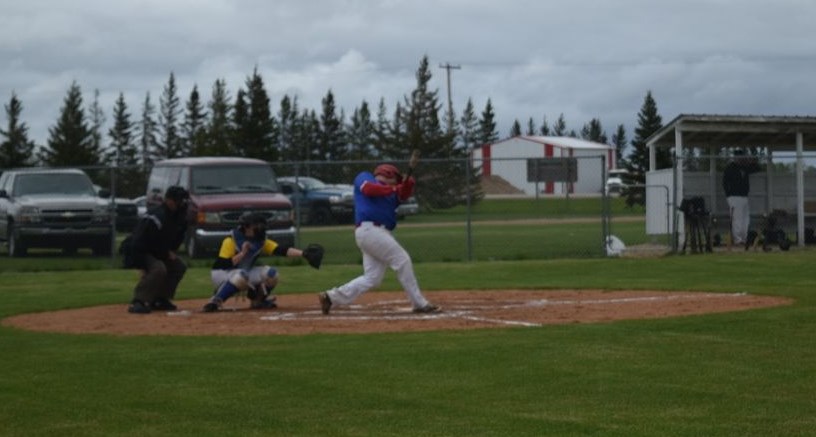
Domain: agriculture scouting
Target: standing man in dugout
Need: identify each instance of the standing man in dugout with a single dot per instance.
(154, 243)
(736, 184)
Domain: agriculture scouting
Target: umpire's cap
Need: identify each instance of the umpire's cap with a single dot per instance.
(177, 193)
(389, 171)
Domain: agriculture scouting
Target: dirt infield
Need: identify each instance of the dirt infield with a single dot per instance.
(390, 312)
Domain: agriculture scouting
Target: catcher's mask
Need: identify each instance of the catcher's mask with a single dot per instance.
(257, 222)
(389, 171)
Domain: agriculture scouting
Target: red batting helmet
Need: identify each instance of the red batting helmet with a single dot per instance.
(388, 171)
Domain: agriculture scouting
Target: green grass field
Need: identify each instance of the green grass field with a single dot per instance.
(750, 373)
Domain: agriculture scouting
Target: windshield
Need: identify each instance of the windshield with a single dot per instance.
(310, 184)
(53, 183)
(234, 179)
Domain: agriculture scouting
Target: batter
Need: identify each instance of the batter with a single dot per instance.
(376, 197)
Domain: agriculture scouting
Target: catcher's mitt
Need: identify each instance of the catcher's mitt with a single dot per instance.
(314, 254)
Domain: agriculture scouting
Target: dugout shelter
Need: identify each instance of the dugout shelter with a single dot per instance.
(700, 145)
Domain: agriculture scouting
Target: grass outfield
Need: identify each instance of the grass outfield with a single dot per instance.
(749, 373)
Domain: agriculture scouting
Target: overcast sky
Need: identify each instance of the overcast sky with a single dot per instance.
(533, 58)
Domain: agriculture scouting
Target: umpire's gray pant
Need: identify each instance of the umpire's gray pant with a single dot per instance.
(160, 280)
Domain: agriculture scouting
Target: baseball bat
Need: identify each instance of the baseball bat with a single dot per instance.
(412, 163)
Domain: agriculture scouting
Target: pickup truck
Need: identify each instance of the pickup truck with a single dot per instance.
(318, 203)
(53, 208)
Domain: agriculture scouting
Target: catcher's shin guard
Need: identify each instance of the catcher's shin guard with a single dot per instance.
(237, 282)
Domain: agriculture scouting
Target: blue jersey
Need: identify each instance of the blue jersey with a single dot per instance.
(379, 209)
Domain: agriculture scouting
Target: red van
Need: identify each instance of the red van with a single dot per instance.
(221, 190)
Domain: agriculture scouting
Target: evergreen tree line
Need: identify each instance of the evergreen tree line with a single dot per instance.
(244, 125)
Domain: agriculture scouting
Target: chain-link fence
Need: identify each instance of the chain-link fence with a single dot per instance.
(462, 210)
(704, 218)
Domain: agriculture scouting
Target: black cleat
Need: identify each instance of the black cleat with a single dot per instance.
(138, 307)
(325, 302)
(163, 305)
(427, 309)
(210, 307)
(265, 304)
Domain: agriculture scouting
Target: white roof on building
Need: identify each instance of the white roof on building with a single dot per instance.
(563, 142)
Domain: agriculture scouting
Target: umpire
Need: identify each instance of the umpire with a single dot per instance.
(155, 241)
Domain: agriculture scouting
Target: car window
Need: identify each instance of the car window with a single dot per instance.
(233, 179)
(53, 183)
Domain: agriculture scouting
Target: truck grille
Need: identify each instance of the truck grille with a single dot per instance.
(66, 216)
(232, 217)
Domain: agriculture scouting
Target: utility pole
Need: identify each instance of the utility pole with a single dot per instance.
(449, 67)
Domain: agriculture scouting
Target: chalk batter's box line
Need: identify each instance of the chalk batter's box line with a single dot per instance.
(363, 312)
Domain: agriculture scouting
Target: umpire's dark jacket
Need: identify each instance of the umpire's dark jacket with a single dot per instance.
(158, 232)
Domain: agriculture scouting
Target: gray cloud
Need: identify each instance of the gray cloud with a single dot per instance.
(584, 58)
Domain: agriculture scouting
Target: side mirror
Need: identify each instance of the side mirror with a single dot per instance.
(104, 193)
(3, 194)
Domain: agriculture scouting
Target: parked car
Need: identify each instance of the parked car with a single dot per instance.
(614, 183)
(317, 202)
(409, 207)
(127, 213)
(221, 190)
(53, 208)
(141, 205)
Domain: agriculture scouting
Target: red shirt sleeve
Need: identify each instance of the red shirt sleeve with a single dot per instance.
(405, 189)
(376, 190)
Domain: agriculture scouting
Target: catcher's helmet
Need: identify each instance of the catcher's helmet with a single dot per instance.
(389, 171)
(252, 218)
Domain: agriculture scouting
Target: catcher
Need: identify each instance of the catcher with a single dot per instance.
(235, 270)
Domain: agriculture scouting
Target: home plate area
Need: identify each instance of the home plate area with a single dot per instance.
(376, 312)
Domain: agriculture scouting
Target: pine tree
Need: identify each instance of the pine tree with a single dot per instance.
(487, 125)
(530, 127)
(515, 130)
(259, 131)
(593, 131)
(170, 142)
(97, 119)
(148, 134)
(331, 145)
(619, 141)
(218, 141)
(382, 130)
(559, 129)
(306, 134)
(69, 141)
(193, 129)
(288, 120)
(16, 150)
(424, 132)
(240, 122)
(360, 133)
(649, 122)
(469, 132)
(123, 152)
(545, 128)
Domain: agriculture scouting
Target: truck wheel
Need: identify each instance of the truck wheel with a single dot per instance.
(15, 247)
(102, 249)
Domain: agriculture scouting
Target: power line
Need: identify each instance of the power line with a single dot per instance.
(447, 66)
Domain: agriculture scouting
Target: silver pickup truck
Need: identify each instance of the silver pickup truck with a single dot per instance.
(53, 208)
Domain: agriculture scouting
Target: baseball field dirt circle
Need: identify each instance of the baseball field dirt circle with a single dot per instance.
(390, 312)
